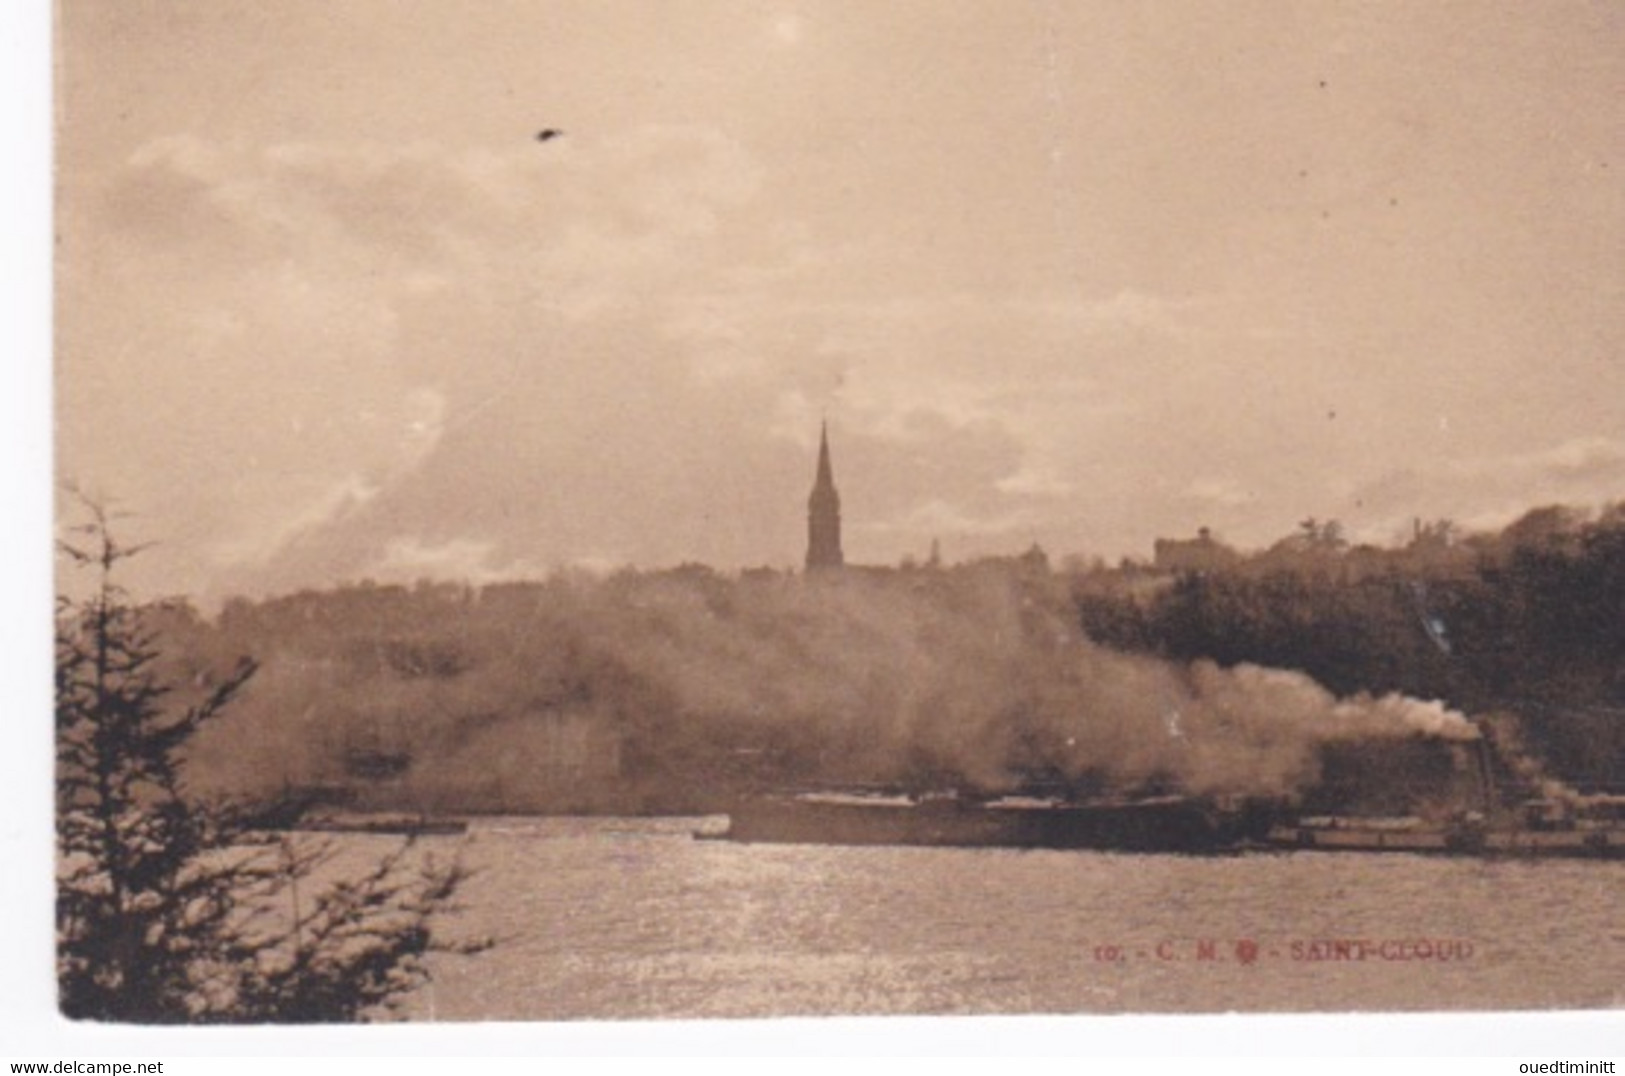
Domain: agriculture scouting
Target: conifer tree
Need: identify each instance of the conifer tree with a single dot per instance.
(171, 908)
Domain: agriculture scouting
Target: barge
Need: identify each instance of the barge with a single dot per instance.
(392, 823)
(1176, 824)
(1161, 824)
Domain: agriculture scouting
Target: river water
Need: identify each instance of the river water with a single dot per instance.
(633, 918)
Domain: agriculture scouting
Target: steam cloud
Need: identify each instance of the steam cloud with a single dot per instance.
(977, 679)
(962, 678)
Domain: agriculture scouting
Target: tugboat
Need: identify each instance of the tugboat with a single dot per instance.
(1541, 828)
(1503, 805)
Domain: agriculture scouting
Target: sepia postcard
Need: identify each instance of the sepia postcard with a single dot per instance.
(744, 509)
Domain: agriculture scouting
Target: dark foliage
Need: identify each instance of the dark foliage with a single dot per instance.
(171, 908)
(1530, 621)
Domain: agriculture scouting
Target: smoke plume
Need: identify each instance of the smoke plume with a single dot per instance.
(983, 680)
(970, 678)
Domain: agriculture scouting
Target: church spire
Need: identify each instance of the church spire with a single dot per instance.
(824, 513)
(826, 476)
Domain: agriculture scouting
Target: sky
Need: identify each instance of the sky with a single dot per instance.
(1084, 274)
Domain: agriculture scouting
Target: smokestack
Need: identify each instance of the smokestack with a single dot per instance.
(1486, 773)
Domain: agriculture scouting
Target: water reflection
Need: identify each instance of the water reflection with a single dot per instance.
(633, 918)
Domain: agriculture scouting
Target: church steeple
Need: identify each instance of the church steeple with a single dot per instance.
(824, 513)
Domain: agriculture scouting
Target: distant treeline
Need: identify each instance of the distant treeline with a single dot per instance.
(1530, 620)
(678, 689)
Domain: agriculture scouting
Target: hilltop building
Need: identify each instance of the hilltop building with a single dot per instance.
(1202, 555)
(824, 515)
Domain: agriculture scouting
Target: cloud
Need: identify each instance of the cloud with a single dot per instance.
(318, 360)
(939, 517)
(407, 559)
(571, 217)
(1035, 481)
(261, 339)
(915, 373)
(1583, 460)
(1218, 492)
(302, 513)
(1126, 310)
(1491, 490)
